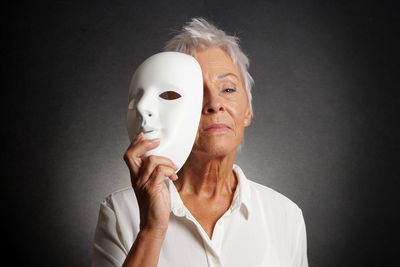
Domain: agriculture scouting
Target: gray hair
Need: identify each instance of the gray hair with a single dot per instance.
(200, 34)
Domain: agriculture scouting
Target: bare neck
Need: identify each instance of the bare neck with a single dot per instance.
(207, 177)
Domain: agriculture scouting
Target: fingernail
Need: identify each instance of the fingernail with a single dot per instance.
(176, 167)
(157, 140)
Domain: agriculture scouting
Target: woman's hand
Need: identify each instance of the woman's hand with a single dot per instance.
(147, 178)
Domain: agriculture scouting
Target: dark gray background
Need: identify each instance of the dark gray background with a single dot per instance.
(324, 132)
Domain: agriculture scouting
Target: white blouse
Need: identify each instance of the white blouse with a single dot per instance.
(261, 228)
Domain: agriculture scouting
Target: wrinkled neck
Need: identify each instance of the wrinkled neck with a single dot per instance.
(207, 177)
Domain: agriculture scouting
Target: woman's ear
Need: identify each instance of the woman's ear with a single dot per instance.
(247, 117)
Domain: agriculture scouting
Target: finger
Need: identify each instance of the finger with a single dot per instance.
(138, 138)
(160, 173)
(134, 154)
(151, 163)
(129, 153)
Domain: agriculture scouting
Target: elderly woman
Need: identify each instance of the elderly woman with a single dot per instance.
(209, 213)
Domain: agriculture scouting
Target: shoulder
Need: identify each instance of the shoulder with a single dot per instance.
(123, 204)
(120, 197)
(267, 200)
(117, 225)
(274, 203)
(283, 217)
(282, 220)
(267, 193)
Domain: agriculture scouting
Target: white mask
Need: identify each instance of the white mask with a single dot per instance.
(165, 101)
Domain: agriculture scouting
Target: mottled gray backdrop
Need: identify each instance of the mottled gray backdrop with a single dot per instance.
(324, 132)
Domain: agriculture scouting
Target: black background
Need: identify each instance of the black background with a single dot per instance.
(324, 131)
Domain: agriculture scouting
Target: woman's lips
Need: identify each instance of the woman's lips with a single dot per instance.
(217, 127)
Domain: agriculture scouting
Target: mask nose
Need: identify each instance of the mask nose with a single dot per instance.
(146, 109)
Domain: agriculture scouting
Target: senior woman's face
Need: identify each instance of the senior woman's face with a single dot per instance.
(225, 110)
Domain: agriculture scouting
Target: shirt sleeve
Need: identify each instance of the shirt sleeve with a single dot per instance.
(300, 256)
(108, 250)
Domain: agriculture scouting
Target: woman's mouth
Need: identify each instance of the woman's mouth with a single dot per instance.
(217, 127)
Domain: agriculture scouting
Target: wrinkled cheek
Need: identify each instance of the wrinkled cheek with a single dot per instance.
(197, 139)
(234, 130)
(204, 142)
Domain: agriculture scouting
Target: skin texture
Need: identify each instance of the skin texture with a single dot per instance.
(206, 182)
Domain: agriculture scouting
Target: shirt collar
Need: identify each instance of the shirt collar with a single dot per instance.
(241, 196)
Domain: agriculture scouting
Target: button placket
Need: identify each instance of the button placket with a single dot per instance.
(218, 235)
(214, 260)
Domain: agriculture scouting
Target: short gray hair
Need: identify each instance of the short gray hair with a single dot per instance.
(201, 34)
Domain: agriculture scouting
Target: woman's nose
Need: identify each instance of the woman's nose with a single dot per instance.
(212, 103)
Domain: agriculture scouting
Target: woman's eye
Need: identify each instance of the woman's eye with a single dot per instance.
(169, 95)
(229, 90)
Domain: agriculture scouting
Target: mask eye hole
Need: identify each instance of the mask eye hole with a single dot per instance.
(170, 95)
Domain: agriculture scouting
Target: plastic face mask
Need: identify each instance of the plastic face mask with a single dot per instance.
(165, 101)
